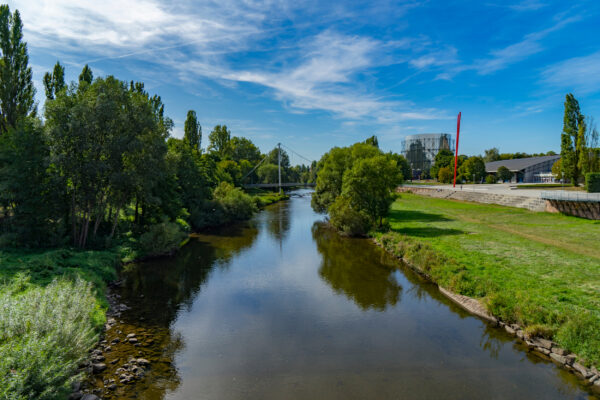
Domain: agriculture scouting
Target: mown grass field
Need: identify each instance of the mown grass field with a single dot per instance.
(537, 269)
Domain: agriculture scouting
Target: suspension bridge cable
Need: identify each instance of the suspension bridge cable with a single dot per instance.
(299, 155)
(253, 169)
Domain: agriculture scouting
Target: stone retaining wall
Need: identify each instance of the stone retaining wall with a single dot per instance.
(530, 203)
(589, 210)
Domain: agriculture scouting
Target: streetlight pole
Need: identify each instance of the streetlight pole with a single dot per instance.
(279, 163)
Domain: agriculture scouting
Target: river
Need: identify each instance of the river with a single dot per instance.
(282, 307)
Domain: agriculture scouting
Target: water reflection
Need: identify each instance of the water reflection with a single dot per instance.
(347, 267)
(278, 221)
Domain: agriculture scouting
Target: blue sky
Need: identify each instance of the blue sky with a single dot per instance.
(317, 74)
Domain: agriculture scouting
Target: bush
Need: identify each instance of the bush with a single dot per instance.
(490, 179)
(348, 220)
(445, 175)
(45, 334)
(592, 182)
(236, 204)
(161, 239)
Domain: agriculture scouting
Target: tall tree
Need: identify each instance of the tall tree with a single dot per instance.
(244, 149)
(16, 86)
(86, 75)
(55, 81)
(372, 141)
(192, 130)
(492, 154)
(219, 141)
(572, 141)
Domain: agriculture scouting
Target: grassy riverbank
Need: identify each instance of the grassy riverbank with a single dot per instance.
(539, 270)
(53, 309)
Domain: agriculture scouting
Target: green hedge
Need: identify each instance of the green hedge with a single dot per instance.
(592, 182)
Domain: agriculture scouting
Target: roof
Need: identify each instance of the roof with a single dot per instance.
(518, 164)
(420, 136)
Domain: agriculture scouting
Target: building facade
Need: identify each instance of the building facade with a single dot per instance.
(420, 151)
(527, 170)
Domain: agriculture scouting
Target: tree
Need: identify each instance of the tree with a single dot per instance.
(402, 164)
(219, 141)
(372, 141)
(473, 169)
(557, 170)
(268, 173)
(244, 149)
(55, 81)
(25, 182)
(504, 174)
(590, 158)
(192, 130)
(273, 158)
(16, 85)
(369, 185)
(86, 75)
(492, 154)
(572, 142)
(445, 175)
(444, 158)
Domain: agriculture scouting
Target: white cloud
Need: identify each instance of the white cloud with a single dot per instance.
(199, 40)
(581, 74)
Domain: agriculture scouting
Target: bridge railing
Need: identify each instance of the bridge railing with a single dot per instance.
(563, 195)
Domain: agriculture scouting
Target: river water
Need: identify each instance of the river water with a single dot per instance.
(283, 308)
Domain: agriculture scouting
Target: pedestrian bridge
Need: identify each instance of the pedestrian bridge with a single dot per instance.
(276, 185)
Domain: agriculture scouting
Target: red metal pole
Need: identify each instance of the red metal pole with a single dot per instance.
(456, 153)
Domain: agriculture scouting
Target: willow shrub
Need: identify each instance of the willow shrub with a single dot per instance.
(161, 239)
(45, 333)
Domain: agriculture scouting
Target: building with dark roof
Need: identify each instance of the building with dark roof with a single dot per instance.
(529, 170)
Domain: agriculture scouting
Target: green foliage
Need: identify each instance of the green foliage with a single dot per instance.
(445, 175)
(504, 173)
(490, 179)
(231, 171)
(572, 145)
(472, 169)
(592, 182)
(368, 185)
(492, 154)
(355, 185)
(219, 141)
(55, 82)
(86, 76)
(16, 84)
(162, 239)
(268, 173)
(443, 159)
(235, 204)
(372, 141)
(244, 149)
(46, 333)
(192, 131)
(347, 219)
(26, 187)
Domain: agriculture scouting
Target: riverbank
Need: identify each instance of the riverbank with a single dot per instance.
(60, 274)
(533, 270)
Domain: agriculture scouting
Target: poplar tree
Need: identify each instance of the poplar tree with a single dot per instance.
(192, 130)
(55, 81)
(16, 86)
(86, 75)
(572, 143)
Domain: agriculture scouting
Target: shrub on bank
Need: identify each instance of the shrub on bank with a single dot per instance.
(490, 179)
(348, 220)
(236, 204)
(592, 182)
(45, 333)
(161, 239)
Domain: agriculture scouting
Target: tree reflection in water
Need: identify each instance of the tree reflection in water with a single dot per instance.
(156, 291)
(348, 266)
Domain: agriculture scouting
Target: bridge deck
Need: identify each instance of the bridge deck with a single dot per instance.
(276, 185)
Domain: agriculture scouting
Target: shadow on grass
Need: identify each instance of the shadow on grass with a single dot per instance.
(428, 232)
(410, 215)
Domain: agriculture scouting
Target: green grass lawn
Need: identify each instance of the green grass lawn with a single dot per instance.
(537, 269)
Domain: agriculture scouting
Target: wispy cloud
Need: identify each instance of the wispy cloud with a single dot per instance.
(580, 74)
(205, 40)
